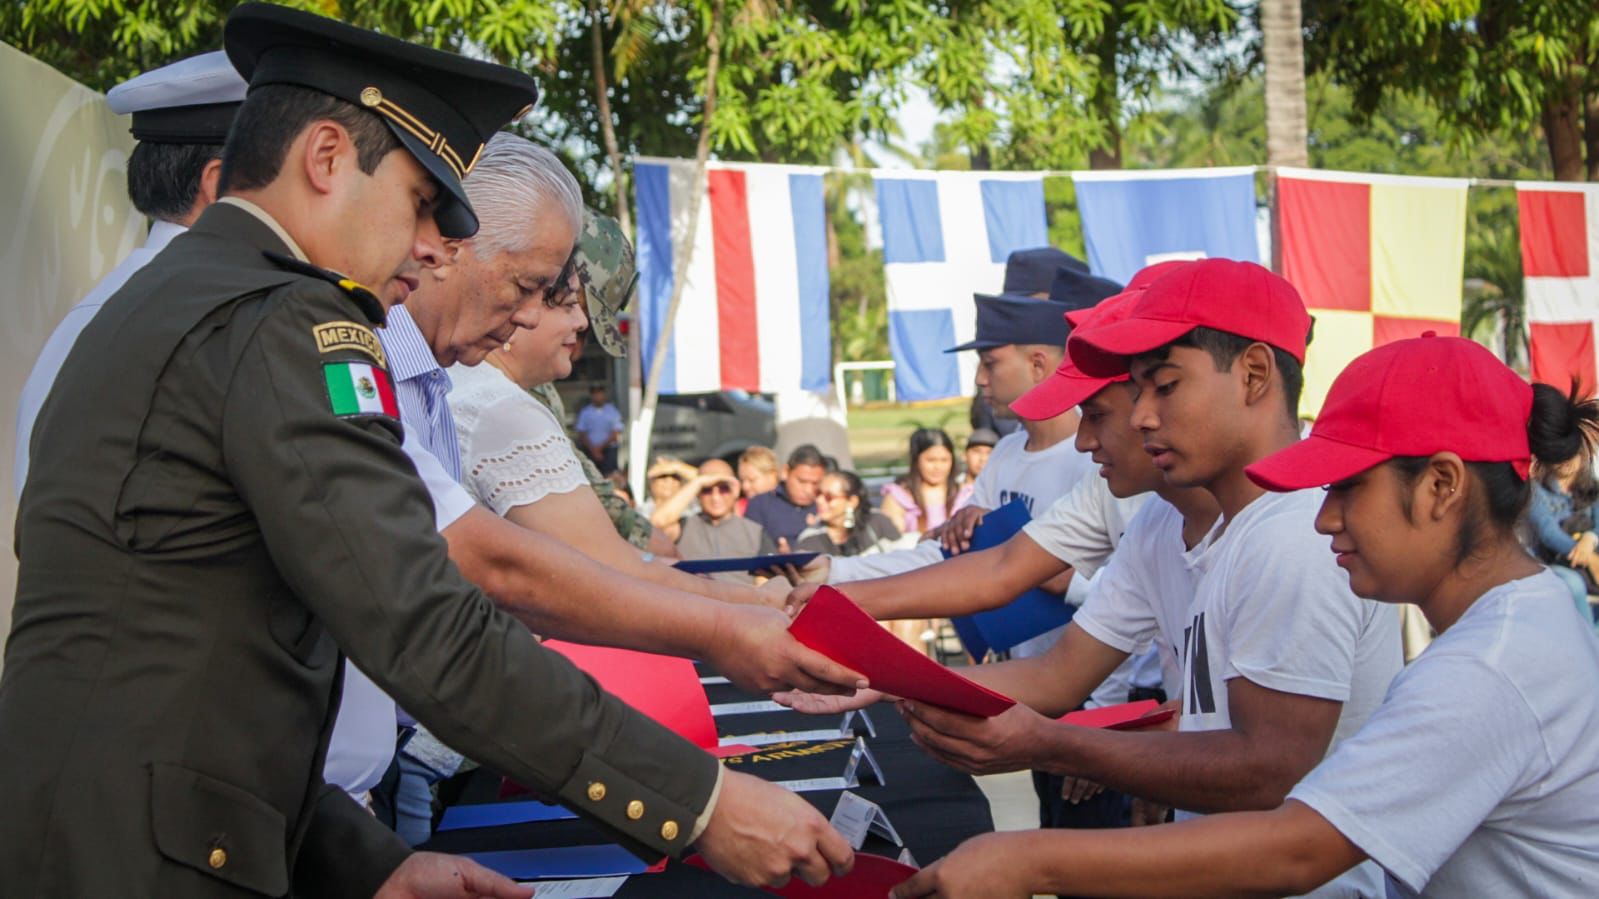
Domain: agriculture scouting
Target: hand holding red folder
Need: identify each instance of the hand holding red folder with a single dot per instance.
(836, 627)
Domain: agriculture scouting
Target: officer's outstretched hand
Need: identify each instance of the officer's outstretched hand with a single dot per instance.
(433, 875)
(761, 835)
(753, 648)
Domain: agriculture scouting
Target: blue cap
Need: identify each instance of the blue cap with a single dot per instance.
(1080, 290)
(1029, 272)
(1002, 321)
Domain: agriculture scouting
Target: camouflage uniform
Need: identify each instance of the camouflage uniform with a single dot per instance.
(604, 264)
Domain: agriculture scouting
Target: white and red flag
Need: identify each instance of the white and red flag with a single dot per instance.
(1560, 261)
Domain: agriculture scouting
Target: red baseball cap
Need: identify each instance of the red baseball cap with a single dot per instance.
(1411, 397)
(1068, 386)
(1142, 279)
(1237, 297)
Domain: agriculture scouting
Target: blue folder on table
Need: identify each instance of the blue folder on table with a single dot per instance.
(561, 863)
(747, 563)
(1033, 613)
(499, 814)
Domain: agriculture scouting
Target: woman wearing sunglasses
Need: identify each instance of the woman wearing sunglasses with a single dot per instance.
(1479, 773)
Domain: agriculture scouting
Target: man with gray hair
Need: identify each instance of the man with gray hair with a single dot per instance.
(530, 211)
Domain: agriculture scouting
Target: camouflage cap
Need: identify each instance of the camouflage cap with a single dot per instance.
(604, 263)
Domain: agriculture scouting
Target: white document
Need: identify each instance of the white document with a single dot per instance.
(586, 888)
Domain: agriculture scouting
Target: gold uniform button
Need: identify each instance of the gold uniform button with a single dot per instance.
(669, 830)
(596, 791)
(217, 858)
(635, 810)
(371, 96)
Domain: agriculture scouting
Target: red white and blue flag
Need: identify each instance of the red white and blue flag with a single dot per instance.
(754, 313)
(1560, 261)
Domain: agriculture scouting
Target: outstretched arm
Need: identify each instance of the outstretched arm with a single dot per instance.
(1290, 850)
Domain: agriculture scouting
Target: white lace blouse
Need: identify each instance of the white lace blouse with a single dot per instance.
(513, 450)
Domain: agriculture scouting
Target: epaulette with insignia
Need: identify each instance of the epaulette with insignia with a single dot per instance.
(364, 298)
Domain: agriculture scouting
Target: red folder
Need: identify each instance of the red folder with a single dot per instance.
(662, 687)
(833, 625)
(873, 876)
(1127, 716)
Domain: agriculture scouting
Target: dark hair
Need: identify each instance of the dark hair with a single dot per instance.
(1562, 426)
(922, 440)
(1225, 348)
(807, 454)
(164, 179)
(273, 115)
(863, 534)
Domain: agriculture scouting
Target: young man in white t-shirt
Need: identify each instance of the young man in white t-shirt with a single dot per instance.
(1280, 659)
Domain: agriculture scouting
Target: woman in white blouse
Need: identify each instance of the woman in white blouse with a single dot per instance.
(517, 460)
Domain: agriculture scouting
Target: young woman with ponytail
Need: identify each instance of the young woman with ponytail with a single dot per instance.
(1479, 774)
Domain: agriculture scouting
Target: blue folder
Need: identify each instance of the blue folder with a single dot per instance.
(562, 863)
(499, 814)
(1028, 615)
(748, 563)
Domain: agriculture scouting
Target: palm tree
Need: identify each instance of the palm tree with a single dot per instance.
(1283, 43)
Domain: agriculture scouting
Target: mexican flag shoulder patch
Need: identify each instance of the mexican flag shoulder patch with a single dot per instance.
(356, 388)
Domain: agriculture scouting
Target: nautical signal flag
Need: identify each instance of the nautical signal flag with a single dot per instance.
(1377, 258)
(1134, 219)
(946, 236)
(1560, 261)
(754, 312)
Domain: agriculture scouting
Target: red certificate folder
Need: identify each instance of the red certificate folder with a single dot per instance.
(662, 687)
(872, 877)
(833, 625)
(1127, 716)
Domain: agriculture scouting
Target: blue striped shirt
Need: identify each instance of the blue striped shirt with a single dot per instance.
(420, 387)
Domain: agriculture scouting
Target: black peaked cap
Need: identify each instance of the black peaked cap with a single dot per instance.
(442, 106)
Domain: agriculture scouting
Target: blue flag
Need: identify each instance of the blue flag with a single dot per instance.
(1134, 219)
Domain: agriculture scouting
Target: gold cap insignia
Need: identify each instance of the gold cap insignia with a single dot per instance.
(371, 96)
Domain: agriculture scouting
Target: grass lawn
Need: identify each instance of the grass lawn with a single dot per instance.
(880, 433)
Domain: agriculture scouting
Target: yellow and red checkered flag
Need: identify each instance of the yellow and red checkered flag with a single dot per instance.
(1378, 258)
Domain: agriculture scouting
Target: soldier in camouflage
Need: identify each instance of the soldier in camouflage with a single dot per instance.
(604, 266)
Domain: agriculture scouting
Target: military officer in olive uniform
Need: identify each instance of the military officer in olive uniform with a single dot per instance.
(218, 504)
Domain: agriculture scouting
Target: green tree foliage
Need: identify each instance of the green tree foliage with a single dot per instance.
(1485, 66)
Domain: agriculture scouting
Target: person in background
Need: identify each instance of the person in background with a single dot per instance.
(599, 426)
(666, 476)
(923, 497)
(715, 530)
(846, 524)
(979, 446)
(757, 474)
(790, 509)
(1561, 521)
(181, 113)
(1029, 275)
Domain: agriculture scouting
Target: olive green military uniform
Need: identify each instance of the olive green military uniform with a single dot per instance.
(200, 534)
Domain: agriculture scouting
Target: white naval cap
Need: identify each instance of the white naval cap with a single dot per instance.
(191, 101)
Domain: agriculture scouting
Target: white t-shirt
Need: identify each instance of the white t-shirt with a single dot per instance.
(1141, 597)
(1273, 606)
(1479, 774)
(513, 449)
(1037, 478)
